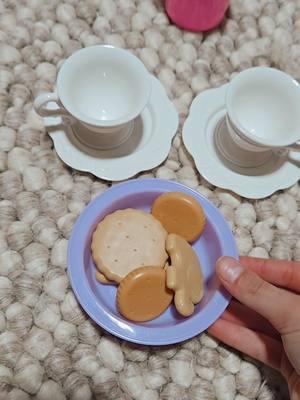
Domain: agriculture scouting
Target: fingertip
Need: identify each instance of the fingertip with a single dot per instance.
(219, 265)
(222, 260)
(228, 269)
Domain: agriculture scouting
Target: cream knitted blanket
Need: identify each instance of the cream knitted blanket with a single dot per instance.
(49, 349)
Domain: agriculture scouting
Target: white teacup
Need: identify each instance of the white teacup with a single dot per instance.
(263, 114)
(103, 89)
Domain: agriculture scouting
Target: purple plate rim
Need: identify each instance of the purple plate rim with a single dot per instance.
(126, 330)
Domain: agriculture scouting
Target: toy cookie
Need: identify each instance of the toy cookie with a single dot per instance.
(184, 276)
(142, 295)
(180, 213)
(128, 239)
(102, 279)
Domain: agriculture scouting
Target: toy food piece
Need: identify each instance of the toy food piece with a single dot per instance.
(184, 276)
(128, 239)
(102, 279)
(180, 213)
(142, 295)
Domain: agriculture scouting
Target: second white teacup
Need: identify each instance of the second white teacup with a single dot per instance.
(102, 88)
(262, 106)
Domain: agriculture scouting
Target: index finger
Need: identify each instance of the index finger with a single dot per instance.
(278, 272)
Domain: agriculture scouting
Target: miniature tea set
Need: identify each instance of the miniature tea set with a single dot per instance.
(109, 116)
(112, 118)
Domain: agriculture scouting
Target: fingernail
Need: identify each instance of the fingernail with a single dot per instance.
(229, 269)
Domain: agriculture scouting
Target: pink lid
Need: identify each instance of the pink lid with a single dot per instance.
(196, 15)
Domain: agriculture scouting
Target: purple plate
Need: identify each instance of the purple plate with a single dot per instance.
(99, 301)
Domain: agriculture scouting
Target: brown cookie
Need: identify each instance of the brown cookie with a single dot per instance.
(180, 213)
(128, 239)
(184, 276)
(143, 295)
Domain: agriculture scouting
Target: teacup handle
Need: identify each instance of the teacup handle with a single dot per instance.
(41, 102)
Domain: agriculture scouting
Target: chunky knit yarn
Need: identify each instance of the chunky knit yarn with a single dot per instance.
(49, 348)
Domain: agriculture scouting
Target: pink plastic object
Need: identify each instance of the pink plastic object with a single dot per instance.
(196, 15)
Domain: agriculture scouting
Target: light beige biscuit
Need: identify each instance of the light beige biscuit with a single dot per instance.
(102, 279)
(126, 240)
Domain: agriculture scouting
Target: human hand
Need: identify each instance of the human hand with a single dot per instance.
(265, 321)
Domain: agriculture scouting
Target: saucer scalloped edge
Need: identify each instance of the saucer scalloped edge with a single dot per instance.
(207, 110)
(147, 147)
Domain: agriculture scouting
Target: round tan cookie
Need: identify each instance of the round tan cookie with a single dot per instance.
(180, 213)
(143, 295)
(128, 239)
(102, 279)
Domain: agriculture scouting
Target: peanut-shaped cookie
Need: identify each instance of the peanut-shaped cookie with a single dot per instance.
(184, 276)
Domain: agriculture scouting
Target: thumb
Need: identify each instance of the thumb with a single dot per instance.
(277, 305)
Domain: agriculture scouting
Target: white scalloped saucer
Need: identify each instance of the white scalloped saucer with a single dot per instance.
(207, 114)
(147, 147)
